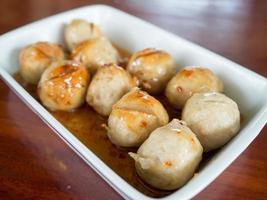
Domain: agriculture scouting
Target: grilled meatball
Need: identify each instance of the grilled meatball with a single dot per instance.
(79, 30)
(153, 68)
(108, 85)
(63, 85)
(169, 157)
(189, 81)
(35, 58)
(213, 117)
(95, 53)
(134, 117)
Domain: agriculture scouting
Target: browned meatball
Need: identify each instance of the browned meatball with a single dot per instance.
(134, 117)
(189, 81)
(153, 68)
(95, 53)
(35, 58)
(63, 85)
(108, 85)
(79, 30)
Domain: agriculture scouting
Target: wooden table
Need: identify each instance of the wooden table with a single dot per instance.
(36, 164)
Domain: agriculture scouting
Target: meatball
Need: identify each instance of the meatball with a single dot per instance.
(213, 117)
(153, 68)
(189, 81)
(63, 85)
(80, 30)
(169, 157)
(108, 85)
(134, 117)
(95, 53)
(35, 58)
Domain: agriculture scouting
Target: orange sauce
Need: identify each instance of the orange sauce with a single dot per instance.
(87, 126)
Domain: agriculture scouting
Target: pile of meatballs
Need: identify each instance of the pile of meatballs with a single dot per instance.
(169, 151)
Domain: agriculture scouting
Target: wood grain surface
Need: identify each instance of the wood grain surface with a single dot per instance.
(37, 164)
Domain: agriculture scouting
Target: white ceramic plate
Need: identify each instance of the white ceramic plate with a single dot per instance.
(244, 86)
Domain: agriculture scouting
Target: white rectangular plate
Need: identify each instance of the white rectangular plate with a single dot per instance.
(247, 88)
